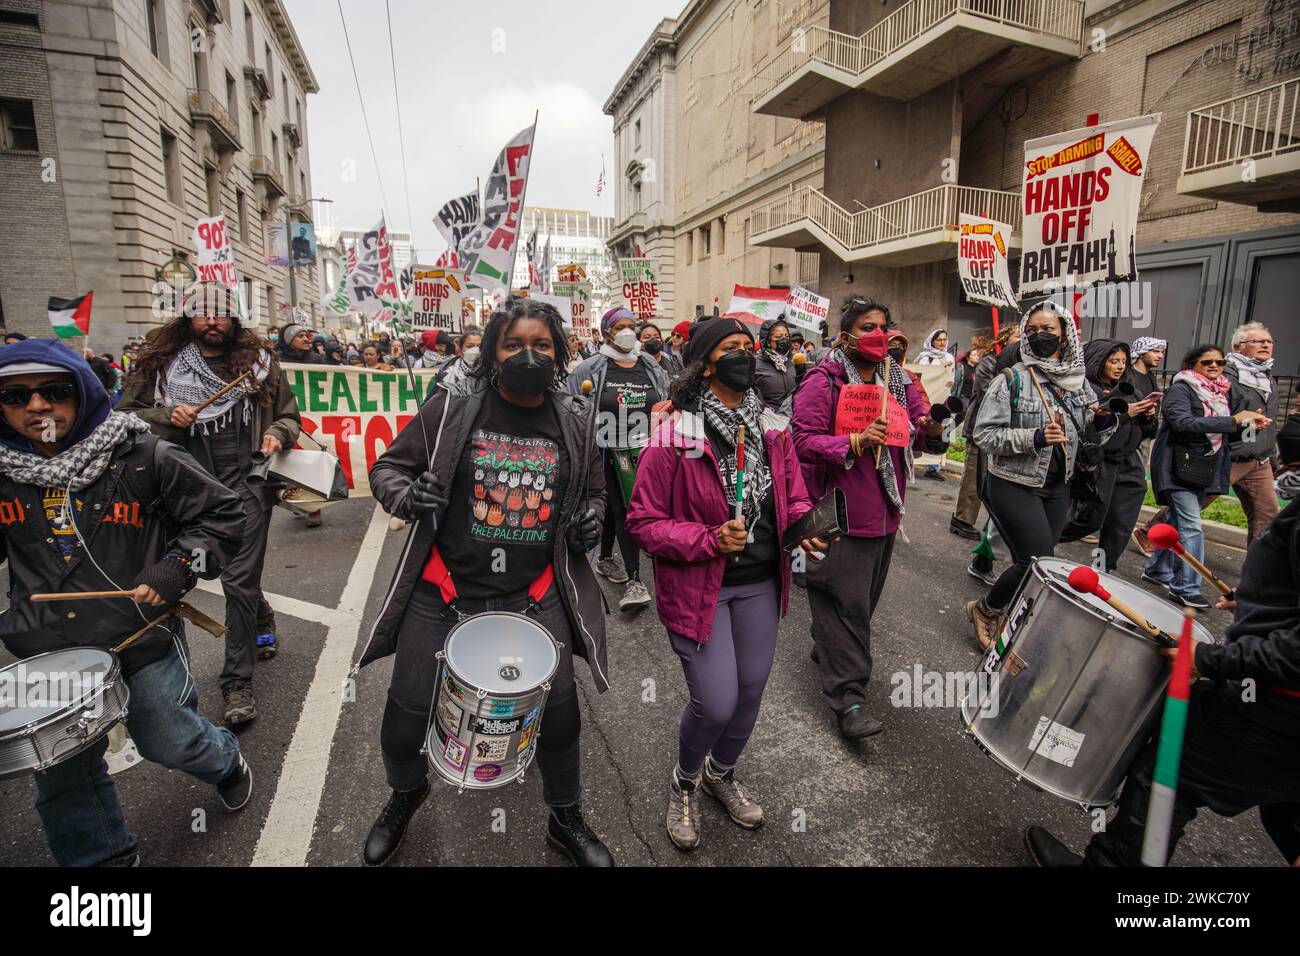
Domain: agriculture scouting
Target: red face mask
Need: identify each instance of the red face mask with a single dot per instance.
(873, 345)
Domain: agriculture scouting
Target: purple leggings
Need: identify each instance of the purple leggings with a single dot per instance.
(726, 675)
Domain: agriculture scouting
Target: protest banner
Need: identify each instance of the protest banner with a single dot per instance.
(562, 304)
(277, 244)
(488, 251)
(1080, 198)
(807, 310)
(640, 290)
(457, 219)
(571, 272)
(372, 278)
(579, 295)
(859, 406)
(437, 299)
(302, 244)
(354, 413)
(215, 261)
(982, 261)
(755, 306)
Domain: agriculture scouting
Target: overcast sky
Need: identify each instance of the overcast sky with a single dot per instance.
(469, 76)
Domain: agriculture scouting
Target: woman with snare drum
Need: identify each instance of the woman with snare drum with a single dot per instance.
(1037, 419)
(501, 477)
(722, 578)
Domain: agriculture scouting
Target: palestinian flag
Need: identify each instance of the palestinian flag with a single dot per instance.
(1169, 753)
(756, 306)
(70, 317)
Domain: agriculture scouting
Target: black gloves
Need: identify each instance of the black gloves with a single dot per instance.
(426, 494)
(171, 577)
(584, 533)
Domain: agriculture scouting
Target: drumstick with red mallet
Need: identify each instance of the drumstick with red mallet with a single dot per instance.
(1086, 581)
(1166, 536)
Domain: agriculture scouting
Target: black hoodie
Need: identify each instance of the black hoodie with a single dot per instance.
(1131, 432)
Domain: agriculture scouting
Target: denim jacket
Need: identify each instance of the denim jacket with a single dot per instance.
(1004, 431)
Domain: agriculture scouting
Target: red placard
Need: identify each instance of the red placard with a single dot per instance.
(859, 406)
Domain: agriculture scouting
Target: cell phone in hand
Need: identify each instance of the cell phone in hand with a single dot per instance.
(1155, 396)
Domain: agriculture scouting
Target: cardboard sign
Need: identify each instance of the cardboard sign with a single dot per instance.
(216, 256)
(807, 310)
(579, 296)
(436, 299)
(640, 290)
(982, 261)
(859, 406)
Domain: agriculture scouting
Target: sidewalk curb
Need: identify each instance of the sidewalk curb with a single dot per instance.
(1215, 531)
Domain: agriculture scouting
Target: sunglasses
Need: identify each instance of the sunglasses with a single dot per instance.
(1212, 362)
(18, 396)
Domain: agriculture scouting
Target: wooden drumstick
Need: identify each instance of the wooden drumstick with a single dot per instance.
(80, 595)
(1166, 536)
(1086, 581)
(134, 637)
(222, 391)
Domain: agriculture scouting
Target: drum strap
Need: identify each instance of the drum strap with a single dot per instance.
(436, 573)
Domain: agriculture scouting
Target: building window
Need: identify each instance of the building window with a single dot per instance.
(212, 181)
(706, 240)
(248, 36)
(199, 57)
(241, 224)
(284, 85)
(690, 247)
(232, 98)
(151, 21)
(19, 121)
(722, 236)
(257, 129)
(275, 152)
(270, 83)
(302, 184)
(171, 168)
(298, 113)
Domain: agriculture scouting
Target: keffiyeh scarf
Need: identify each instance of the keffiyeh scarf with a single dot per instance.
(1253, 372)
(190, 381)
(77, 467)
(758, 476)
(1288, 485)
(776, 358)
(1066, 370)
(897, 385)
(1213, 394)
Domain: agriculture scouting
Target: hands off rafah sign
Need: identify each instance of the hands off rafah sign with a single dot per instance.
(1080, 198)
(982, 261)
(436, 299)
(640, 290)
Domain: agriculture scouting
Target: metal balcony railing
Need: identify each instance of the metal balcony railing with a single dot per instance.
(1062, 19)
(911, 216)
(1257, 125)
(263, 168)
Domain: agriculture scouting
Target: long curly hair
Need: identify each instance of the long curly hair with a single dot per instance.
(162, 344)
(504, 319)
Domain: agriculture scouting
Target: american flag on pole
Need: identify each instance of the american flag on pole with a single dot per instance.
(600, 183)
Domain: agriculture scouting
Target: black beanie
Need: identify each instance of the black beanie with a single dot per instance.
(705, 337)
(1288, 439)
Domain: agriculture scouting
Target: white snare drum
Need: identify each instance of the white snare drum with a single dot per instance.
(1077, 687)
(55, 705)
(487, 708)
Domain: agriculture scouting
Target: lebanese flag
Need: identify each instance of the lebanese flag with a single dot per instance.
(70, 317)
(756, 306)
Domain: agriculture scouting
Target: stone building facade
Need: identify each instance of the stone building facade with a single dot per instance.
(148, 115)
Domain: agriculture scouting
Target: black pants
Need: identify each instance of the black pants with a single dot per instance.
(1122, 485)
(843, 590)
(1030, 521)
(421, 635)
(247, 613)
(1236, 755)
(616, 524)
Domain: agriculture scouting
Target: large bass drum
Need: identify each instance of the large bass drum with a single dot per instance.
(487, 709)
(55, 705)
(1073, 687)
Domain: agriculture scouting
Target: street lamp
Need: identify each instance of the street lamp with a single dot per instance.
(289, 206)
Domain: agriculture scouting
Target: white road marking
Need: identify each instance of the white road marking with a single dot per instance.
(283, 604)
(286, 834)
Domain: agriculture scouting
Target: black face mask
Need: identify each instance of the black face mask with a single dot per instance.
(781, 346)
(735, 370)
(654, 347)
(528, 373)
(897, 355)
(1044, 344)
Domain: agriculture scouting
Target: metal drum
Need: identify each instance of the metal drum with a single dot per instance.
(487, 708)
(1074, 687)
(55, 705)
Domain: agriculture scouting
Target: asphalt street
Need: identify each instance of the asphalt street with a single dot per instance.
(920, 794)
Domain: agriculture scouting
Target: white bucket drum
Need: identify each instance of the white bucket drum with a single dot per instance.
(487, 708)
(1075, 686)
(55, 705)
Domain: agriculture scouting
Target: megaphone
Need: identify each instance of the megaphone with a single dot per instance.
(318, 473)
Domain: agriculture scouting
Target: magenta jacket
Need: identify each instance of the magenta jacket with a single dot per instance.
(677, 503)
(827, 460)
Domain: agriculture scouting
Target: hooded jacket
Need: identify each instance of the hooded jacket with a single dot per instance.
(448, 418)
(678, 501)
(1130, 432)
(152, 498)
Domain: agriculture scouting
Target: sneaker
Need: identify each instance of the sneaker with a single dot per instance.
(569, 833)
(683, 816)
(386, 834)
(963, 530)
(988, 577)
(1194, 601)
(933, 475)
(267, 646)
(634, 595)
(1090, 539)
(1156, 581)
(1143, 543)
(727, 791)
(987, 623)
(611, 569)
(241, 704)
(237, 788)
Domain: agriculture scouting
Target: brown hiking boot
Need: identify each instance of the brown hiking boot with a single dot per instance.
(727, 791)
(986, 623)
(683, 816)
